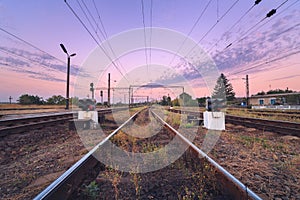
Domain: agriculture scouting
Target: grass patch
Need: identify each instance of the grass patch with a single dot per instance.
(249, 141)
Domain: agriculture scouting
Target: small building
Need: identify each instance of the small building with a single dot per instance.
(275, 99)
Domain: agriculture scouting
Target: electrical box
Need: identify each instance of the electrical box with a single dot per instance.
(214, 120)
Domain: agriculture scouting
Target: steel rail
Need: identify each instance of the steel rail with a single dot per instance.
(58, 189)
(282, 127)
(278, 126)
(67, 183)
(200, 153)
(16, 125)
(23, 127)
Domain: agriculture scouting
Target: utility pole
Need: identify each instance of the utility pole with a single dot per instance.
(108, 91)
(247, 90)
(129, 97)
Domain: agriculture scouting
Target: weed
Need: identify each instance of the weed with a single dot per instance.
(92, 190)
(115, 177)
(189, 125)
(249, 141)
(136, 179)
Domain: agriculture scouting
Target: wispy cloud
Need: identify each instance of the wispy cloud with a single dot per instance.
(35, 65)
(277, 38)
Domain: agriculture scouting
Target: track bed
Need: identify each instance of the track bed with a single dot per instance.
(192, 175)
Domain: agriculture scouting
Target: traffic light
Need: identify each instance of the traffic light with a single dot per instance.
(101, 93)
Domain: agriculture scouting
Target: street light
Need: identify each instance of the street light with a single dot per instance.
(68, 74)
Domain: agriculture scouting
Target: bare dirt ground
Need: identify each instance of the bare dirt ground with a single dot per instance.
(30, 161)
(268, 163)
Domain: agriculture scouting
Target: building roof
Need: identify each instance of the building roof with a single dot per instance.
(275, 95)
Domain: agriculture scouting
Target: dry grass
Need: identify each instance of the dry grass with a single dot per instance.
(266, 162)
(281, 116)
(15, 109)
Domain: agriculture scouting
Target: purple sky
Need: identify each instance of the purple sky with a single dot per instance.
(268, 53)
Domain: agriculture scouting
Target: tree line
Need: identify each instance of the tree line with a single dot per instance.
(223, 88)
(27, 99)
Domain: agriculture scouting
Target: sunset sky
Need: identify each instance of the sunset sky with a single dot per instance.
(235, 35)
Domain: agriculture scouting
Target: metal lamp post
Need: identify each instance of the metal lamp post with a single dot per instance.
(68, 74)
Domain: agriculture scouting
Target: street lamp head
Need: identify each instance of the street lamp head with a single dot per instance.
(63, 48)
(74, 54)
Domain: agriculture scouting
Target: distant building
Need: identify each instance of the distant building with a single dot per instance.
(185, 96)
(275, 99)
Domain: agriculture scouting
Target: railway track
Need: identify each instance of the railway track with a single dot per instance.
(290, 115)
(19, 125)
(281, 127)
(193, 167)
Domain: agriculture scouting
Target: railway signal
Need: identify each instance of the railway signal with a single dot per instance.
(10, 98)
(101, 95)
(92, 89)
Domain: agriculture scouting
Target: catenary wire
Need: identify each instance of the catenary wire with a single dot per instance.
(99, 17)
(30, 44)
(103, 33)
(151, 26)
(90, 14)
(237, 22)
(211, 28)
(288, 29)
(89, 21)
(268, 15)
(86, 28)
(145, 41)
(190, 32)
(266, 62)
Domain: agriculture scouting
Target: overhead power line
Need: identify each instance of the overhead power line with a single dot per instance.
(99, 17)
(30, 44)
(211, 28)
(103, 32)
(277, 58)
(237, 22)
(268, 15)
(151, 19)
(145, 38)
(86, 28)
(190, 32)
(88, 19)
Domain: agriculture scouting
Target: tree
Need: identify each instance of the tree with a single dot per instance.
(276, 91)
(223, 88)
(176, 102)
(27, 99)
(201, 101)
(56, 100)
(164, 101)
(261, 93)
(280, 91)
(169, 100)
